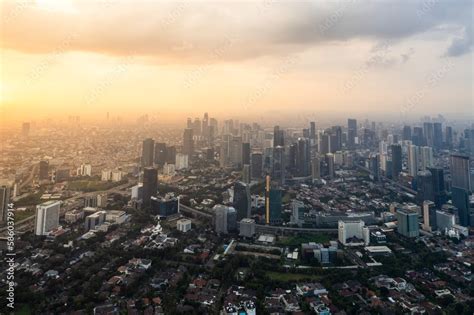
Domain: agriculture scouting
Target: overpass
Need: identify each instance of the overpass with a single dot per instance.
(198, 213)
(259, 228)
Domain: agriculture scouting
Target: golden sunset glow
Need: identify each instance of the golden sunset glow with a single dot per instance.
(247, 57)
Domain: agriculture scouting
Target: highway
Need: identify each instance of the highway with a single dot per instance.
(68, 204)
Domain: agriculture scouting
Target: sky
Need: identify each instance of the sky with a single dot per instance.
(179, 59)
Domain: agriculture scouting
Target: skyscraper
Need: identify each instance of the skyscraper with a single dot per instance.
(303, 157)
(170, 154)
(312, 132)
(278, 165)
(160, 154)
(330, 164)
(188, 142)
(4, 200)
(406, 133)
(275, 205)
(278, 137)
(47, 217)
(225, 219)
(429, 216)
(324, 143)
(396, 160)
(426, 157)
(242, 200)
(245, 153)
(43, 170)
(437, 136)
(148, 152)
(439, 188)
(460, 171)
(150, 185)
(460, 182)
(413, 160)
(449, 137)
(424, 185)
(315, 168)
(428, 132)
(257, 165)
(417, 137)
(408, 223)
(351, 132)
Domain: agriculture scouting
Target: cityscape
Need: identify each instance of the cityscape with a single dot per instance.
(230, 195)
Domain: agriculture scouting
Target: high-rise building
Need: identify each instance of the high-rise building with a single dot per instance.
(460, 199)
(102, 200)
(43, 170)
(408, 223)
(437, 136)
(245, 153)
(171, 155)
(424, 185)
(353, 233)
(235, 151)
(449, 137)
(315, 169)
(330, 164)
(278, 164)
(374, 165)
(406, 133)
(257, 165)
(303, 157)
(275, 205)
(148, 152)
(247, 227)
(182, 161)
(417, 137)
(278, 137)
(428, 132)
(324, 143)
(4, 201)
(413, 160)
(90, 201)
(351, 132)
(160, 154)
(460, 171)
(164, 206)
(188, 142)
(47, 217)
(312, 132)
(396, 160)
(150, 185)
(267, 199)
(439, 188)
(426, 157)
(225, 219)
(242, 200)
(444, 220)
(246, 177)
(298, 210)
(429, 216)
(94, 220)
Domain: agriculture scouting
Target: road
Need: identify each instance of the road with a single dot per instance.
(69, 204)
(30, 176)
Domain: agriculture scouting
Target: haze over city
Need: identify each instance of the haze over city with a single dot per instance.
(178, 59)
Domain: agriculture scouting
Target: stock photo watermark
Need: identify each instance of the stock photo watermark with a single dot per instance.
(10, 257)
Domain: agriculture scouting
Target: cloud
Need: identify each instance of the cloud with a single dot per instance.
(406, 56)
(462, 45)
(189, 31)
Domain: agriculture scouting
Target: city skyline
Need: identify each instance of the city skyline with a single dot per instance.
(276, 57)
